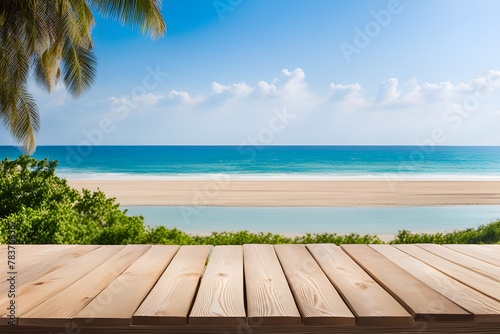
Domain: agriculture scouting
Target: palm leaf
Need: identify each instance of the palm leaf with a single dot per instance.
(20, 115)
(47, 71)
(78, 67)
(144, 14)
(27, 121)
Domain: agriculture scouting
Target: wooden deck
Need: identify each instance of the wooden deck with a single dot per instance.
(320, 288)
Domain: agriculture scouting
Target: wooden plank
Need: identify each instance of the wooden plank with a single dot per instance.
(477, 281)
(28, 255)
(269, 299)
(422, 302)
(484, 308)
(169, 302)
(318, 301)
(33, 294)
(220, 299)
(369, 302)
(480, 267)
(493, 247)
(52, 261)
(76, 296)
(116, 304)
(485, 254)
(34, 254)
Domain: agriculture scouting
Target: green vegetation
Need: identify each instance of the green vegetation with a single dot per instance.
(42, 209)
(45, 210)
(484, 234)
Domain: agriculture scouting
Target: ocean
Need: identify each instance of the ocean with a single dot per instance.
(290, 162)
(262, 162)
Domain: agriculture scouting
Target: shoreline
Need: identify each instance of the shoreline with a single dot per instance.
(223, 191)
(279, 177)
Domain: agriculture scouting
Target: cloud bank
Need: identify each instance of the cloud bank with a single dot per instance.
(346, 113)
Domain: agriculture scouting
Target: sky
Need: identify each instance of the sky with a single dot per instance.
(290, 72)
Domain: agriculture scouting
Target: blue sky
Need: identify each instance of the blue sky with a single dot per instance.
(291, 72)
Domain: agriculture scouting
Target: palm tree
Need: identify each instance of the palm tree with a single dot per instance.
(52, 40)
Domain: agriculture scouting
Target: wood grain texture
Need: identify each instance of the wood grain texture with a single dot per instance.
(25, 250)
(50, 285)
(269, 299)
(422, 302)
(318, 301)
(477, 281)
(76, 296)
(220, 298)
(24, 261)
(369, 302)
(484, 308)
(116, 304)
(485, 254)
(50, 261)
(480, 267)
(170, 300)
(28, 255)
(36, 292)
(494, 247)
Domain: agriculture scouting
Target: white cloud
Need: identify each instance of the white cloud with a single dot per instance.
(349, 92)
(184, 97)
(290, 85)
(400, 112)
(388, 92)
(238, 89)
(147, 99)
(490, 80)
(392, 93)
(266, 88)
(294, 84)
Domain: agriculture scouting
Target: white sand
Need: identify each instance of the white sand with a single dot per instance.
(295, 193)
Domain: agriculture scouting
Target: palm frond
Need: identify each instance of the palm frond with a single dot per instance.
(47, 72)
(27, 121)
(78, 68)
(144, 14)
(81, 22)
(20, 115)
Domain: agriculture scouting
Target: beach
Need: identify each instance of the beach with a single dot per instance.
(224, 191)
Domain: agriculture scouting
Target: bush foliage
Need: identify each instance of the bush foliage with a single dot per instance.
(42, 209)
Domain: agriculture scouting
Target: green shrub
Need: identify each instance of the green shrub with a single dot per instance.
(484, 234)
(45, 210)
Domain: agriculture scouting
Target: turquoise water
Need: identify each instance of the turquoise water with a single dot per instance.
(342, 162)
(382, 221)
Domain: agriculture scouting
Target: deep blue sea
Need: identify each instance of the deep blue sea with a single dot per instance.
(289, 162)
(332, 162)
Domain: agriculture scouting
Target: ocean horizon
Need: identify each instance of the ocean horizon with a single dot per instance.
(272, 162)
